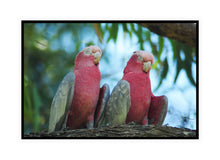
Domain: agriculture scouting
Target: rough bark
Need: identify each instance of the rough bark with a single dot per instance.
(182, 32)
(120, 131)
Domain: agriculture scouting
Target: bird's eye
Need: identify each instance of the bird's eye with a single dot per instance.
(140, 58)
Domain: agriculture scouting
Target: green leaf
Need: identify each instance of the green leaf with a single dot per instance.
(114, 31)
(188, 62)
(189, 73)
(106, 26)
(90, 43)
(161, 46)
(176, 47)
(147, 33)
(132, 27)
(179, 62)
(109, 29)
(125, 28)
(153, 46)
(28, 112)
(177, 72)
(154, 65)
(37, 104)
(140, 38)
(185, 64)
(164, 73)
(173, 44)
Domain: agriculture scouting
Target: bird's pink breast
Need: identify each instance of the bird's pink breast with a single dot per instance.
(86, 92)
(140, 92)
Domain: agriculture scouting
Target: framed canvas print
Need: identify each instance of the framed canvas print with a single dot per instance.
(110, 79)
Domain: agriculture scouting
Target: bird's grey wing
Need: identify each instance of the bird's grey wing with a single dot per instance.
(103, 99)
(118, 104)
(61, 103)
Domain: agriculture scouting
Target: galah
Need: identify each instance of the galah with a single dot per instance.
(132, 99)
(79, 101)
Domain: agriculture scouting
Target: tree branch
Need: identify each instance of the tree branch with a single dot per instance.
(120, 131)
(182, 32)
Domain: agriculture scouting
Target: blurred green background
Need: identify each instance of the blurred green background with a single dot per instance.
(49, 51)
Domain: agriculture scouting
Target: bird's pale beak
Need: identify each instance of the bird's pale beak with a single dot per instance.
(146, 66)
(97, 56)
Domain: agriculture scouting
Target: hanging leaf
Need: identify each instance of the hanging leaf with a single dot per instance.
(98, 31)
(173, 44)
(185, 64)
(140, 38)
(189, 73)
(153, 45)
(161, 46)
(177, 50)
(114, 31)
(132, 27)
(177, 71)
(109, 29)
(163, 73)
(188, 63)
(176, 57)
(125, 28)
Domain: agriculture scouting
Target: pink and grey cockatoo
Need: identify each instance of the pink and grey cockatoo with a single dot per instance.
(132, 98)
(79, 101)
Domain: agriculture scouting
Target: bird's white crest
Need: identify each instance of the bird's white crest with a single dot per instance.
(91, 50)
(146, 56)
(94, 51)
